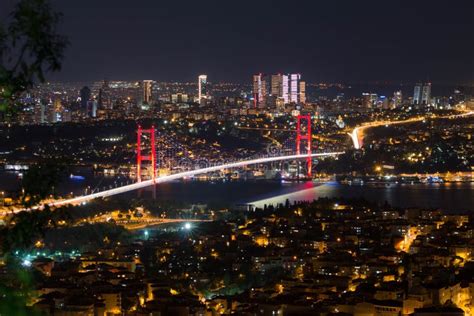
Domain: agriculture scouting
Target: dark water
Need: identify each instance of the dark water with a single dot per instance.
(448, 196)
(452, 197)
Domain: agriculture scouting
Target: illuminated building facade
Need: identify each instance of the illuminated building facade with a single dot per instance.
(288, 88)
(369, 100)
(55, 109)
(105, 100)
(202, 89)
(294, 80)
(85, 97)
(40, 113)
(302, 92)
(426, 93)
(259, 90)
(417, 93)
(277, 85)
(422, 93)
(397, 99)
(146, 91)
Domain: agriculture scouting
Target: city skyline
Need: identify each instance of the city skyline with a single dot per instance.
(236, 158)
(350, 42)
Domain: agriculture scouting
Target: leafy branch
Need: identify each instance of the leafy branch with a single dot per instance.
(29, 47)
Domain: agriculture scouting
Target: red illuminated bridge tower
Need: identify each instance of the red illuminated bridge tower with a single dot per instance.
(151, 157)
(304, 134)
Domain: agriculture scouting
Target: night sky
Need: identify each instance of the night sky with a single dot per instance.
(344, 41)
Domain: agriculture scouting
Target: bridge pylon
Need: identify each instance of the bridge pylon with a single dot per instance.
(151, 157)
(304, 135)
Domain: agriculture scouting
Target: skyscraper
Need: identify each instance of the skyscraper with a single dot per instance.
(397, 99)
(426, 94)
(40, 112)
(302, 92)
(417, 93)
(85, 97)
(92, 108)
(146, 91)
(277, 85)
(383, 102)
(458, 96)
(105, 101)
(56, 109)
(202, 88)
(369, 100)
(285, 89)
(259, 90)
(294, 79)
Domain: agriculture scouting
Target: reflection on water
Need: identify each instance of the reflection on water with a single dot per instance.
(449, 196)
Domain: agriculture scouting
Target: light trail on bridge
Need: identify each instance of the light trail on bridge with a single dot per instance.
(357, 137)
(176, 176)
(266, 129)
(137, 225)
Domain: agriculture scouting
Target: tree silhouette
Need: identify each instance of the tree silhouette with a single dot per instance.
(40, 181)
(29, 47)
(25, 227)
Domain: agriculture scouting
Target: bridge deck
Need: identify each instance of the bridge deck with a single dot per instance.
(186, 174)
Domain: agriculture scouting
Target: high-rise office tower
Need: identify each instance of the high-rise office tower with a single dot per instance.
(56, 109)
(85, 97)
(92, 108)
(146, 86)
(276, 91)
(417, 93)
(285, 89)
(105, 100)
(366, 100)
(294, 79)
(277, 85)
(100, 98)
(302, 92)
(383, 102)
(202, 88)
(259, 90)
(397, 99)
(458, 96)
(40, 112)
(426, 94)
(369, 100)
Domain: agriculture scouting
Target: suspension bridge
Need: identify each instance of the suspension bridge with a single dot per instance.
(304, 151)
(181, 175)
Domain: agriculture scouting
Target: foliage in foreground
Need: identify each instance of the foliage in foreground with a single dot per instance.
(30, 46)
